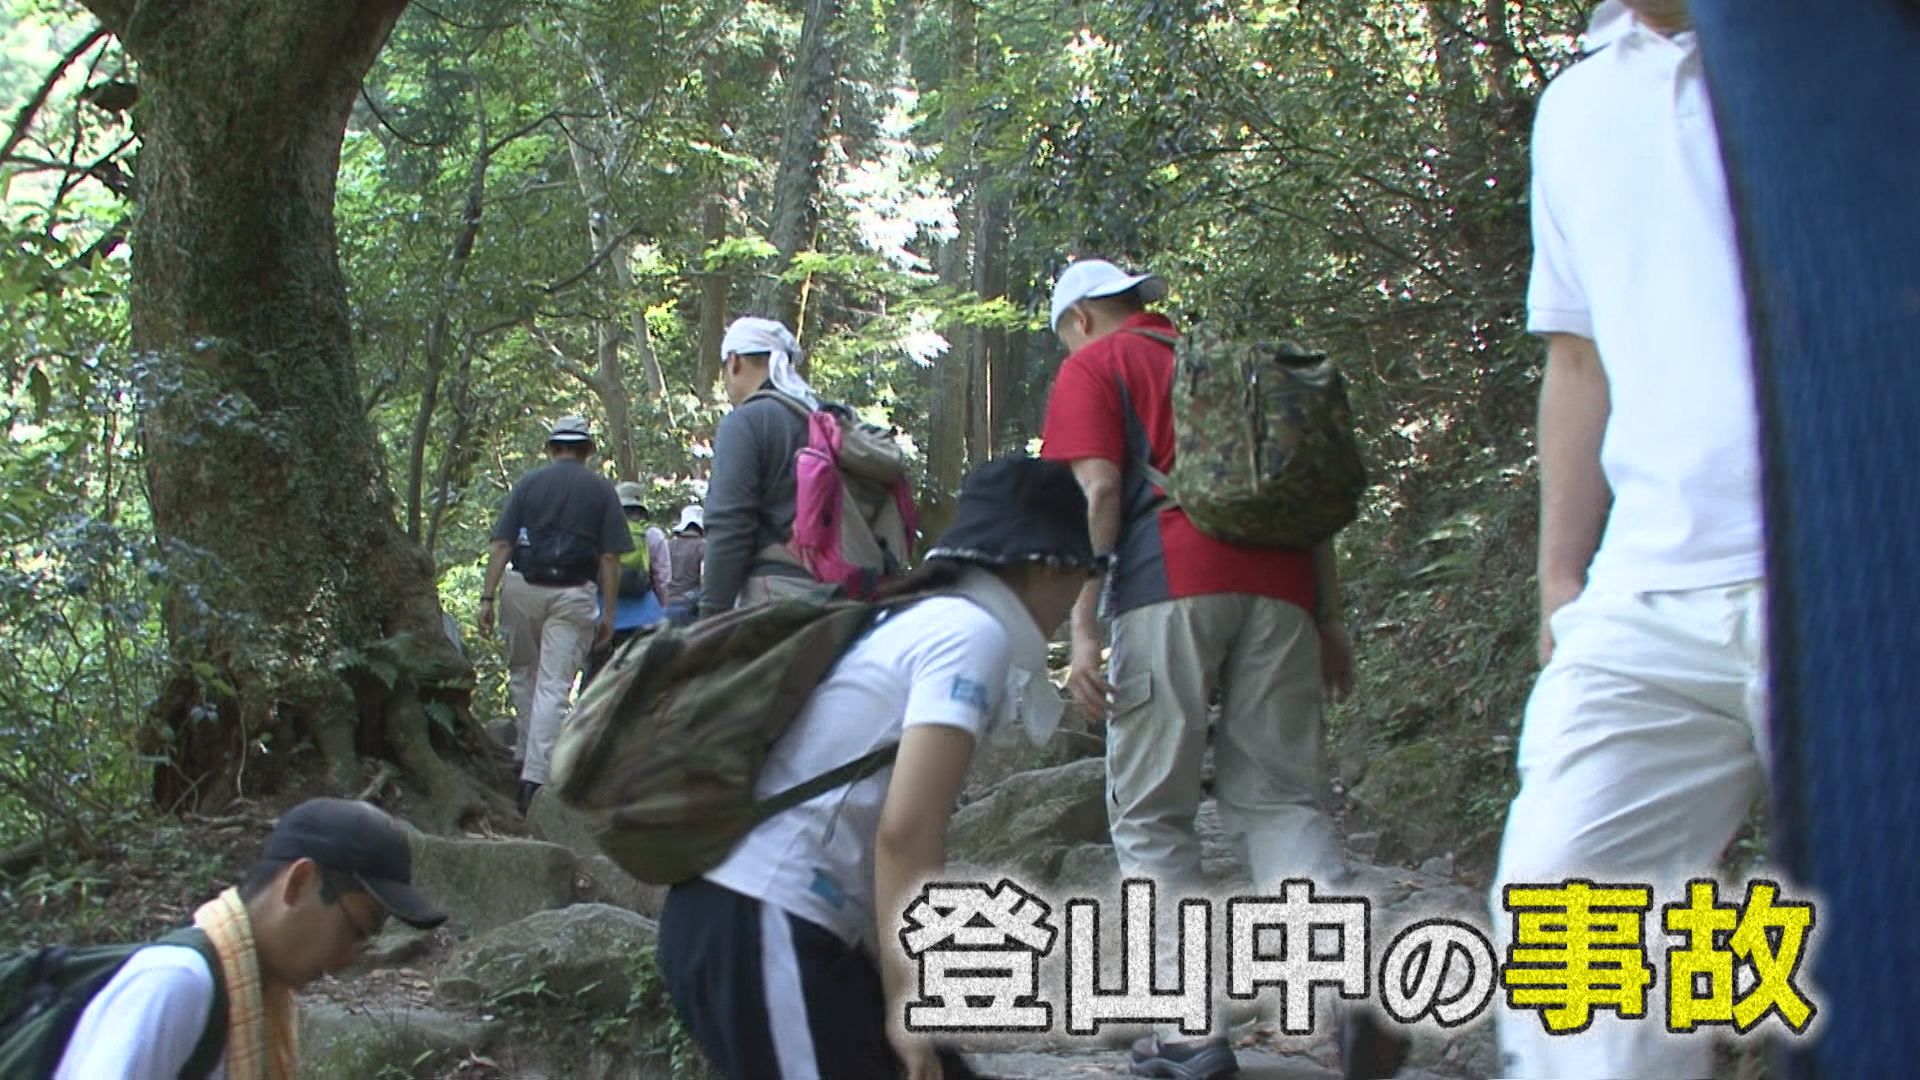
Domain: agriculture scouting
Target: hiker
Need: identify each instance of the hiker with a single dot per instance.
(1192, 617)
(563, 531)
(653, 557)
(750, 491)
(331, 873)
(643, 579)
(688, 547)
(764, 955)
(1643, 744)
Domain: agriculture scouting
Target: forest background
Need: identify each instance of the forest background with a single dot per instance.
(240, 469)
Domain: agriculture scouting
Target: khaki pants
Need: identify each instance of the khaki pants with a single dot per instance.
(764, 588)
(1168, 659)
(548, 634)
(1643, 750)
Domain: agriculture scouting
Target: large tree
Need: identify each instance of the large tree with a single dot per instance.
(301, 613)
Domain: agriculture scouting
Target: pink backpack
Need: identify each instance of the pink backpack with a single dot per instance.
(854, 521)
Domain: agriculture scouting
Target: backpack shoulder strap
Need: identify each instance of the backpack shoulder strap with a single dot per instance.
(1153, 335)
(866, 764)
(799, 407)
(212, 1045)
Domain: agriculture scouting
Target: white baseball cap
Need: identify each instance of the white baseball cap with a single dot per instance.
(691, 517)
(1091, 279)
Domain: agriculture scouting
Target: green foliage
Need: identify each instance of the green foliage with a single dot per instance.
(1351, 173)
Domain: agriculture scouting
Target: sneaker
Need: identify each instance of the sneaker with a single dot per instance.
(524, 798)
(1201, 1059)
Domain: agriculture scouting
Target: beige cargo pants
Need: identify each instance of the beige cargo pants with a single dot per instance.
(1168, 660)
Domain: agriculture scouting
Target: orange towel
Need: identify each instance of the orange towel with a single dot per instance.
(262, 1032)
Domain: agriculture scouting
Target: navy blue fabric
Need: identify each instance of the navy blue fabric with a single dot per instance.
(1821, 133)
(710, 953)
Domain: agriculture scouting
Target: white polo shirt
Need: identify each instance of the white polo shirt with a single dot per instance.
(942, 661)
(1634, 249)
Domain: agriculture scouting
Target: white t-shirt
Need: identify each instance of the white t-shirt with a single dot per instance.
(941, 661)
(144, 1024)
(1634, 249)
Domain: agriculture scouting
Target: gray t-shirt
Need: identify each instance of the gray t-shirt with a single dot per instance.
(565, 495)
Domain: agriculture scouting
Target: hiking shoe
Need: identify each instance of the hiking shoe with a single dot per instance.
(1200, 1059)
(1370, 1050)
(524, 798)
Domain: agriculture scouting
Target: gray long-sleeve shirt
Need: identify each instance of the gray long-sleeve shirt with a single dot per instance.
(750, 494)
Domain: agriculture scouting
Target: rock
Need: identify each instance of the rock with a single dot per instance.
(1446, 901)
(397, 945)
(1223, 855)
(601, 881)
(1364, 846)
(1010, 753)
(1440, 866)
(338, 1043)
(580, 955)
(1033, 812)
(484, 884)
(551, 820)
(1090, 869)
(1103, 1064)
(1409, 796)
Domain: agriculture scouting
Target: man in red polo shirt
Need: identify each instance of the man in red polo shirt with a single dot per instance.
(1192, 617)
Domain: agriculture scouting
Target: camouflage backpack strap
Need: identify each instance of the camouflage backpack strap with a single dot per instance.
(866, 764)
(1158, 479)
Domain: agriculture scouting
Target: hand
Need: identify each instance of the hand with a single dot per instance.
(1554, 595)
(485, 621)
(918, 1058)
(1086, 683)
(1336, 661)
(603, 632)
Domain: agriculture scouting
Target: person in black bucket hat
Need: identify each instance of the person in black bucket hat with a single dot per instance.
(1018, 510)
(763, 955)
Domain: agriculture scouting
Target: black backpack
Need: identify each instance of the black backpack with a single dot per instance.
(43, 992)
(548, 555)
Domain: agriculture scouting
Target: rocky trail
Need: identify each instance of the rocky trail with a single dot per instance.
(539, 972)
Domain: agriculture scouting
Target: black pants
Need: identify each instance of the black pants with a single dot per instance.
(772, 997)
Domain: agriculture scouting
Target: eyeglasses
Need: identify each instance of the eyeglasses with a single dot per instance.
(361, 934)
(335, 887)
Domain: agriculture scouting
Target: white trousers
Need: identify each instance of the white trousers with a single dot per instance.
(1641, 756)
(548, 634)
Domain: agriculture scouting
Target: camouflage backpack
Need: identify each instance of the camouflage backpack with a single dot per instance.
(1264, 452)
(662, 751)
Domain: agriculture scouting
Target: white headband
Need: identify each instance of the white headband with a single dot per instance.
(754, 335)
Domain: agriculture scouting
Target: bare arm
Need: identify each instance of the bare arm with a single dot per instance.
(910, 848)
(609, 593)
(1574, 496)
(497, 553)
(1100, 480)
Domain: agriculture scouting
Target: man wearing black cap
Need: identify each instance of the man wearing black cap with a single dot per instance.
(331, 874)
(562, 530)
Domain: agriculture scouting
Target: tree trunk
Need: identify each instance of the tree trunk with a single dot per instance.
(439, 328)
(714, 286)
(951, 373)
(298, 609)
(989, 343)
(610, 381)
(809, 109)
